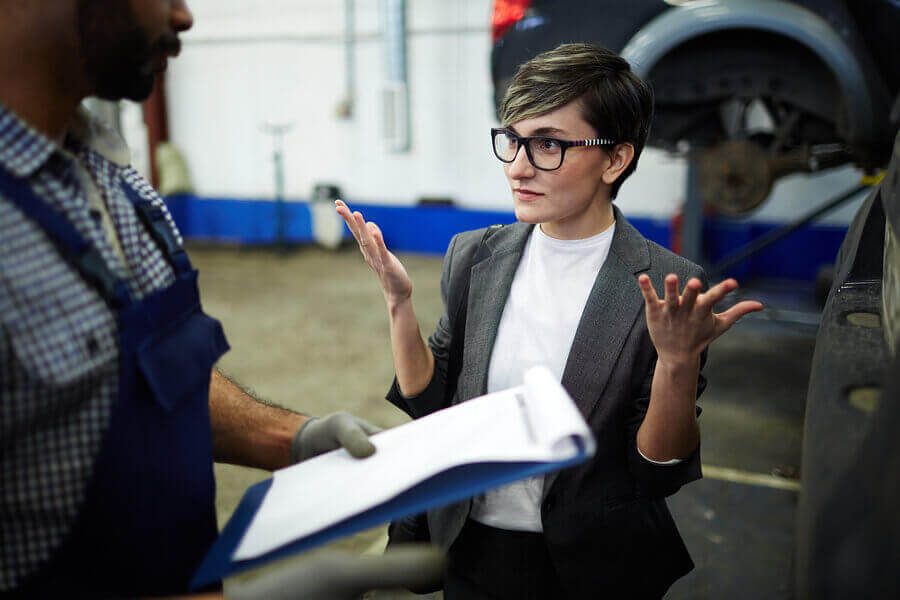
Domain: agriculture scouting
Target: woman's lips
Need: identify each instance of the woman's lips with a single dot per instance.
(525, 195)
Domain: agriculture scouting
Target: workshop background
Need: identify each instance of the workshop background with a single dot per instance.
(253, 68)
(276, 107)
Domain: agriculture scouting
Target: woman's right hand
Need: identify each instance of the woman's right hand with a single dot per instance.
(392, 276)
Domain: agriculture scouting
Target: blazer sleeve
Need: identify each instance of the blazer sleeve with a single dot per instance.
(661, 480)
(433, 397)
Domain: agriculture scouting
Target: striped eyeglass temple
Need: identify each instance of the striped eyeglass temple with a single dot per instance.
(594, 142)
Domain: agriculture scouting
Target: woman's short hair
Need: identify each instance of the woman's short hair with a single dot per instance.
(615, 102)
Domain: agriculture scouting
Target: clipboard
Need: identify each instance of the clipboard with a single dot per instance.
(551, 435)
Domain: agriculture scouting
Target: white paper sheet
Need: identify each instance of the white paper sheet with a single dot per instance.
(534, 422)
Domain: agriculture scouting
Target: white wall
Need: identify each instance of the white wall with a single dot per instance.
(248, 62)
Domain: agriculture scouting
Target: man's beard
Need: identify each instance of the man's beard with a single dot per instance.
(117, 54)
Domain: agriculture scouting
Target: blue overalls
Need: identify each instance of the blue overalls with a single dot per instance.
(149, 516)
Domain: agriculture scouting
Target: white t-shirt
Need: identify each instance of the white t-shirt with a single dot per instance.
(548, 295)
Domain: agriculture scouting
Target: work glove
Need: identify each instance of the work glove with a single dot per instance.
(331, 575)
(339, 430)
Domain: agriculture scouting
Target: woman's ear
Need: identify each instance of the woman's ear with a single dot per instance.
(620, 157)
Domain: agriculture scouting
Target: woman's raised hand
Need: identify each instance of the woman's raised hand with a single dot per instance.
(391, 274)
(681, 326)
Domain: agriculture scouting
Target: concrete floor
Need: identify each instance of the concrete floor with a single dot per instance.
(308, 331)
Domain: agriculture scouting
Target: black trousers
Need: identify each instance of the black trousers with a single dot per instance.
(486, 563)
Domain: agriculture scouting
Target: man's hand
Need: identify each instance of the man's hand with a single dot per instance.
(342, 576)
(339, 430)
(681, 326)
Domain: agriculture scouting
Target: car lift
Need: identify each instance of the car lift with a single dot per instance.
(692, 244)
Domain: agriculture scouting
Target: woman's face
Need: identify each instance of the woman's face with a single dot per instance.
(573, 201)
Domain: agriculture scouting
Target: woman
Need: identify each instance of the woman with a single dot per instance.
(568, 286)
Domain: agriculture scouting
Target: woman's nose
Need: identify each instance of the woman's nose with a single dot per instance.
(521, 167)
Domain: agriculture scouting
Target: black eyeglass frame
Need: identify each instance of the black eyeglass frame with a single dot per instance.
(526, 142)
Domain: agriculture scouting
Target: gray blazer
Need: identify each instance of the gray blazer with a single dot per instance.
(605, 521)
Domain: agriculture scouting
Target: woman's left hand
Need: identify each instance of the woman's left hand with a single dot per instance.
(681, 326)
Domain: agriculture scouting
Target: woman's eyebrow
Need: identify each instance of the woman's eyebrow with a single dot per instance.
(548, 131)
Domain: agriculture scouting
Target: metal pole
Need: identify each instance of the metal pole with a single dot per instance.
(349, 52)
(692, 215)
(397, 85)
(277, 131)
(770, 238)
(279, 192)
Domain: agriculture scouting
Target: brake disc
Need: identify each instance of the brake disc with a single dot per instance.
(734, 177)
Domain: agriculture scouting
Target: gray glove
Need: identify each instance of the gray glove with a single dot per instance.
(331, 575)
(339, 430)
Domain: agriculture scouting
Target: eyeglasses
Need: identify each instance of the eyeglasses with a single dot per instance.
(544, 153)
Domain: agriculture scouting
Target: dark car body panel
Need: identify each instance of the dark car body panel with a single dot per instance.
(757, 63)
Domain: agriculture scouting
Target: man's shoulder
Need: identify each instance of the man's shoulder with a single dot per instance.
(137, 182)
(145, 190)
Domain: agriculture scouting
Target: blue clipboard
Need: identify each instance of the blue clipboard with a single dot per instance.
(444, 488)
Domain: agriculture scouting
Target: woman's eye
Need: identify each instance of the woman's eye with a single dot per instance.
(548, 145)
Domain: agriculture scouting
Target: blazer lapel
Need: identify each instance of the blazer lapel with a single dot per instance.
(608, 317)
(489, 287)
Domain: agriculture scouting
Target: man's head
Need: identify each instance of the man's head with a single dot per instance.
(612, 99)
(125, 43)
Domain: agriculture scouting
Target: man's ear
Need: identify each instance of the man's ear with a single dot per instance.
(620, 157)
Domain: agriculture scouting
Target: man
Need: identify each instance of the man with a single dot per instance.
(110, 411)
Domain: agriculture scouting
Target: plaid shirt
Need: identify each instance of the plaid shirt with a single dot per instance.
(58, 338)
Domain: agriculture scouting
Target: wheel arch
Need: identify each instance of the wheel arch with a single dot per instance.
(682, 24)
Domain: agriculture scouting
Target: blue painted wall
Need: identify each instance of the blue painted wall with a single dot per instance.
(428, 229)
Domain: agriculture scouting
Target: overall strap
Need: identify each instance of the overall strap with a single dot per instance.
(78, 252)
(454, 361)
(154, 219)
